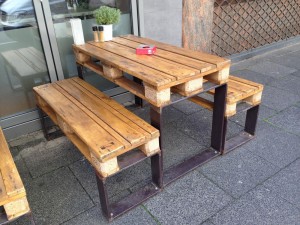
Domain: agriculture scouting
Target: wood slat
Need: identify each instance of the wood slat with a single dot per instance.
(174, 57)
(216, 60)
(124, 127)
(10, 176)
(165, 66)
(101, 143)
(141, 123)
(3, 195)
(149, 75)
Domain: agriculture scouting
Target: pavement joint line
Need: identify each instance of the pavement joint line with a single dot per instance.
(152, 216)
(281, 128)
(260, 183)
(77, 215)
(90, 197)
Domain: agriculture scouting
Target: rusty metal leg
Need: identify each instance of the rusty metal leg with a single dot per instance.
(80, 71)
(224, 134)
(157, 170)
(218, 134)
(138, 100)
(155, 120)
(101, 182)
(42, 119)
(251, 120)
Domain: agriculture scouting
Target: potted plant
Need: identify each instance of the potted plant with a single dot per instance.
(106, 17)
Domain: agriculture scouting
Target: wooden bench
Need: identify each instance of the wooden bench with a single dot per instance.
(13, 201)
(239, 90)
(103, 130)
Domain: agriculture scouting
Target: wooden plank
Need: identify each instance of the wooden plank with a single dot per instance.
(149, 75)
(3, 195)
(150, 129)
(212, 59)
(17, 208)
(11, 178)
(165, 66)
(180, 59)
(101, 143)
(248, 82)
(197, 24)
(116, 121)
(33, 58)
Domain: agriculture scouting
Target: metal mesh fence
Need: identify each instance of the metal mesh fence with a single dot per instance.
(241, 25)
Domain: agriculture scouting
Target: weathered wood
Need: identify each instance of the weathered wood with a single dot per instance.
(219, 77)
(111, 72)
(81, 57)
(16, 208)
(212, 59)
(101, 128)
(190, 87)
(12, 191)
(159, 97)
(197, 24)
(151, 147)
(239, 90)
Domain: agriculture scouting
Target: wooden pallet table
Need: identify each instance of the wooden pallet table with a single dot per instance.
(170, 69)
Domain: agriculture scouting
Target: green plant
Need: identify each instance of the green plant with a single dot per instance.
(106, 15)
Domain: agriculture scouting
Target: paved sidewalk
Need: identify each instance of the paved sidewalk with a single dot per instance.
(258, 183)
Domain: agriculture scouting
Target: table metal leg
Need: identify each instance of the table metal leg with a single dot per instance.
(105, 206)
(138, 100)
(217, 133)
(80, 71)
(42, 119)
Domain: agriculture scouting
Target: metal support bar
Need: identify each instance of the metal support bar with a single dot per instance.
(80, 71)
(111, 211)
(251, 120)
(138, 100)
(217, 133)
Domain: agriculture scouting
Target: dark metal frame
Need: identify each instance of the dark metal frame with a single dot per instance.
(249, 130)
(217, 134)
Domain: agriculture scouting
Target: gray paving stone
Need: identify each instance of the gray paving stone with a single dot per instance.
(288, 119)
(48, 156)
(271, 69)
(286, 183)
(238, 171)
(57, 197)
(94, 216)
(190, 200)
(186, 106)
(207, 223)
(295, 53)
(117, 185)
(276, 146)
(253, 76)
(297, 73)
(27, 140)
(264, 112)
(198, 126)
(277, 99)
(177, 146)
(260, 207)
(287, 60)
(288, 83)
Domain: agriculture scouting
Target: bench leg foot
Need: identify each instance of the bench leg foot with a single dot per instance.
(42, 119)
(218, 125)
(251, 120)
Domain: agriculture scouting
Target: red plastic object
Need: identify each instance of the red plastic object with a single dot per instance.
(145, 49)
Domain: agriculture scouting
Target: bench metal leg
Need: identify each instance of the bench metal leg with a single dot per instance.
(114, 210)
(251, 120)
(248, 133)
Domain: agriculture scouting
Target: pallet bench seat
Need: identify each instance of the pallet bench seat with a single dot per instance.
(102, 130)
(13, 201)
(239, 90)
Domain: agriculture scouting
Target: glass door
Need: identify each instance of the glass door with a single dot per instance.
(61, 13)
(23, 63)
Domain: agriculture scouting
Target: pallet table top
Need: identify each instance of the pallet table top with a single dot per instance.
(170, 67)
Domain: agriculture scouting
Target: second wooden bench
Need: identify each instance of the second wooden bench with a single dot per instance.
(104, 131)
(239, 90)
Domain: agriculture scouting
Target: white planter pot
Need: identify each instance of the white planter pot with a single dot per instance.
(108, 32)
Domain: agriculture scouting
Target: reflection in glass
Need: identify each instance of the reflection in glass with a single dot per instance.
(22, 61)
(83, 9)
